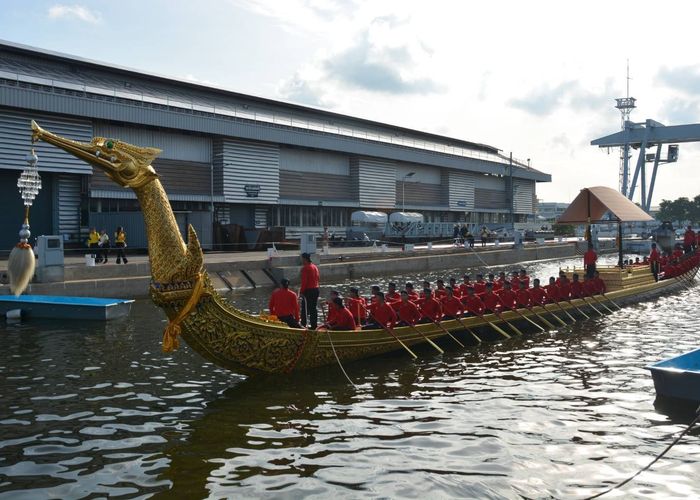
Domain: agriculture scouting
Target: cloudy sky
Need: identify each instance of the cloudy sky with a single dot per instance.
(535, 78)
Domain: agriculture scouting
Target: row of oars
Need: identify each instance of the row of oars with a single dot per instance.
(590, 303)
(510, 325)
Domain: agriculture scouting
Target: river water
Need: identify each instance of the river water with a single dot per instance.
(94, 410)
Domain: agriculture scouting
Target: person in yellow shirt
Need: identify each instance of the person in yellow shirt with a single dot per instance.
(93, 241)
(120, 244)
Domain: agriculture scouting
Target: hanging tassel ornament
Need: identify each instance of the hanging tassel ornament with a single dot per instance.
(21, 264)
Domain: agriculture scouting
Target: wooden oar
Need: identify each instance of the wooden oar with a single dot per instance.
(578, 309)
(447, 332)
(544, 306)
(565, 311)
(495, 326)
(601, 303)
(510, 325)
(611, 301)
(393, 334)
(478, 340)
(591, 305)
(437, 347)
(515, 310)
(542, 318)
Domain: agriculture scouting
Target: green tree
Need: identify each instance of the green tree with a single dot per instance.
(564, 230)
(695, 210)
(666, 211)
(678, 210)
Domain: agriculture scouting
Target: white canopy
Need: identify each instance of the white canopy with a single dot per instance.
(368, 217)
(405, 217)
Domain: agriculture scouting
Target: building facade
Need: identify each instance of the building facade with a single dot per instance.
(550, 210)
(230, 158)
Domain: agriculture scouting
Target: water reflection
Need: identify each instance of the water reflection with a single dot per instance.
(96, 410)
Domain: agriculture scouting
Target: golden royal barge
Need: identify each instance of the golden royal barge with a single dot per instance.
(250, 344)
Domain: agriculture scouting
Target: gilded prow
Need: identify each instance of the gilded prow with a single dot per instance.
(130, 166)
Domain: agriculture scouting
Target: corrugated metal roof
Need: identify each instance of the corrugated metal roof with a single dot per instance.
(214, 90)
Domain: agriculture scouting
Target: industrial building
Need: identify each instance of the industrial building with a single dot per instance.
(550, 211)
(231, 158)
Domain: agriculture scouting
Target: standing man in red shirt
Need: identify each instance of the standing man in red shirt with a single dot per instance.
(284, 304)
(309, 291)
(689, 240)
(654, 261)
(589, 260)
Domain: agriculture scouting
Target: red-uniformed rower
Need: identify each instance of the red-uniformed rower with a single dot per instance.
(284, 304)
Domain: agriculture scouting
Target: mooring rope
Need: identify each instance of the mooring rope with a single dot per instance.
(656, 459)
(338, 360)
(478, 256)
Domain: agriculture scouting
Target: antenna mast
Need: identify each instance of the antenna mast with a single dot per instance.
(625, 105)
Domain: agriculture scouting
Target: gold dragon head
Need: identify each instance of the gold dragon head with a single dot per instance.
(126, 164)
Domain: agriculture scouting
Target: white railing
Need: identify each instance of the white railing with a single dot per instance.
(265, 117)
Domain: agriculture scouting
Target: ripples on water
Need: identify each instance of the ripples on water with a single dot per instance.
(92, 409)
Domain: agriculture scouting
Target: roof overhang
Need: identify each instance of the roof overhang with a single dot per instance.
(593, 203)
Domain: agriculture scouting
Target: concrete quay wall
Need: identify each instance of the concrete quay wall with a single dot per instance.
(336, 271)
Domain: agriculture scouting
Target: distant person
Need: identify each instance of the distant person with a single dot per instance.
(309, 291)
(455, 233)
(654, 261)
(484, 236)
(104, 246)
(689, 240)
(120, 244)
(463, 231)
(93, 241)
(589, 261)
(284, 304)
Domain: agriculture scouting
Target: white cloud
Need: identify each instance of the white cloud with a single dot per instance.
(75, 11)
(193, 79)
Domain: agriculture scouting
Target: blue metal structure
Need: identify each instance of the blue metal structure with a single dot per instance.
(644, 136)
